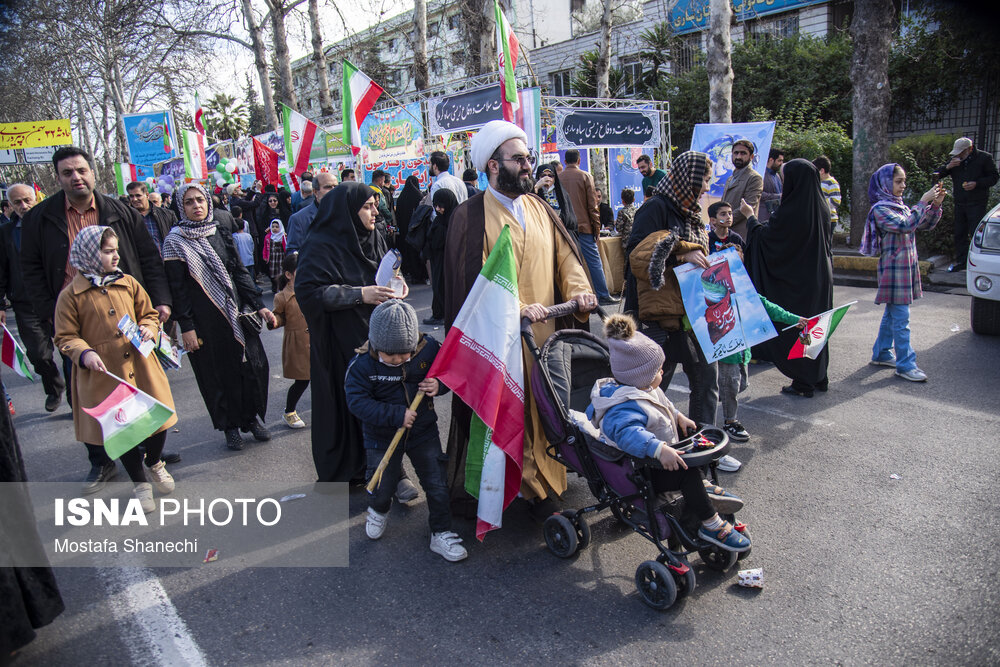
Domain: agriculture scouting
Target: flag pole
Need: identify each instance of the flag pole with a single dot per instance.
(846, 305)
(377, 476)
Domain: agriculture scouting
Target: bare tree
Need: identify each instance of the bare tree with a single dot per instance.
(871, 31)
(720, 63)
(319, 60)
(420, 76)
(278, 10)
(477, 19)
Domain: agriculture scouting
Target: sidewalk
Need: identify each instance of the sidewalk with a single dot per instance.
(852, 269)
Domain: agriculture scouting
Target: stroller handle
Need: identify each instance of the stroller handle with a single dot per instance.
(556, 311)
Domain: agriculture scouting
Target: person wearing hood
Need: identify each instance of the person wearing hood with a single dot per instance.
(335, 288)
(444, 202)
(274, 252)
(214, 301)
(409, 199)
(790, 262)
(548, 187)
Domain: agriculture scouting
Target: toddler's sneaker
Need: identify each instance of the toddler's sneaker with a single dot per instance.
(406, 491)
(735, 431)
(162, 479)
(449, 546)
(729, 463)
(725, 537)
(375, 525)
(723, 501)
(144, 494)
(293, 420)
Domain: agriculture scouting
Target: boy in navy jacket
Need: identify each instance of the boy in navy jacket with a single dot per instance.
(382, 380)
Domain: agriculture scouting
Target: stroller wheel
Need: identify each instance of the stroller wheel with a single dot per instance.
(582, 528)
(560, 536)
(685, 582)
(656, 584)
(718, 559)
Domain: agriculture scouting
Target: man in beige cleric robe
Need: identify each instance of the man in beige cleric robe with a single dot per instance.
(549, 271)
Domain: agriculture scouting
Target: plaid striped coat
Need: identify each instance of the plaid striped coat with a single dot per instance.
(898, 274)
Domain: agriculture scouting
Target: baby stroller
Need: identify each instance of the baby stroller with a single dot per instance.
(566, 367)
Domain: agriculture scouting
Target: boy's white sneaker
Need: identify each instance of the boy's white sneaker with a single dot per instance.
(729, 463)
(449, 546)
(162, 480)
(375, 525)
(144, 494)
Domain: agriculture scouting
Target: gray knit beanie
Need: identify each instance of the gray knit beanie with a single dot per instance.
(393, 327)
(635, 358)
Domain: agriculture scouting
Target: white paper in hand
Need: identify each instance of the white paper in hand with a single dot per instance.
(388, 270)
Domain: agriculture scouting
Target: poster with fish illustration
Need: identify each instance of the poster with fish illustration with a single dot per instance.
(722, 305)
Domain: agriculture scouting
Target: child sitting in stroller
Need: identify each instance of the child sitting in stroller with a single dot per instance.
(634, 415)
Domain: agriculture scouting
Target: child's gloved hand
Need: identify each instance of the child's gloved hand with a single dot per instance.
(670, 457)
(429, 386)
(92, 360)
(409, 418)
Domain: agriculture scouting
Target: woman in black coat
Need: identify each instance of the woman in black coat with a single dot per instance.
(790, 262)
(210, 288)
(413, 267)
(335, 288)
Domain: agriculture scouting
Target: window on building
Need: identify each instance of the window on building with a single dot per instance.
(432, 29)
(561, 83)
(779, 27)
(458, 58)
(633, 76)
(576, 5)
(391, 43)
(455, 22)
(335, 96)
(436, 65)
(686, 54)
(392, 79)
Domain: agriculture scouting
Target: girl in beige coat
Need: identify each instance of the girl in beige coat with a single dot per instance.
(295, 346)
(86, 324)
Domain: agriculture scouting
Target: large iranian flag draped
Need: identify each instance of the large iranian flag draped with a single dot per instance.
(195, 163)
(481, 362)
(127, 417)
(818, 329)
(299, 134)
(360, 95)
(125, 173)
(507, 50)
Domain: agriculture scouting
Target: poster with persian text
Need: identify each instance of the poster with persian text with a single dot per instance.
(723, 306)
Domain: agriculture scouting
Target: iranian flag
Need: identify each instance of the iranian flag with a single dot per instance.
(299, 135)
(265, 164)
(195, 165)
(167, 145)
(125, 173)
(198, 113)
(481, 362)
(127, 417)
(360, 94)
(507, 50)
(818, 329)
(13, 355)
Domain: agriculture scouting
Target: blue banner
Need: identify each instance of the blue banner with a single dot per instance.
(144, 135)
(722, 306)
(624, 174)
(717, 140)
(693, 15)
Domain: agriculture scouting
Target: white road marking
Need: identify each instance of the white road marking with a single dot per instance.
(143, 608)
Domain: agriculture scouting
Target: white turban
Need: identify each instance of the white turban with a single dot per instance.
(488, 139)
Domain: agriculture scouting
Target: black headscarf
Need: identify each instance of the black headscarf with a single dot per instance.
(566, 213)
(790, 262)
(407, 203)
(447, 200)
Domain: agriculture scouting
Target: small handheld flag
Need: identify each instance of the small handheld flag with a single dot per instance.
(127, 417)
(817, 331)
(13, 355)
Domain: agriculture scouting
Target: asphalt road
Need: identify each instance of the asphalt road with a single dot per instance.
(859, 567)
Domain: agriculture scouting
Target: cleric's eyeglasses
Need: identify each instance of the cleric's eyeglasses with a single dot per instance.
(528, 160)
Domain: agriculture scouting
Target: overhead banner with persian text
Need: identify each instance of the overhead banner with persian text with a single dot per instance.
(34, 134)
(605, 128)
(723, 307)
(468, 110)
(144, 136)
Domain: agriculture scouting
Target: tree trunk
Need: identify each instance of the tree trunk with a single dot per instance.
(487, 39)
(871, 31)
(279, 37)
(600, 169)
(260, 63)
(420, 77)
(319, 60)
(720, 63)
(473, 22)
